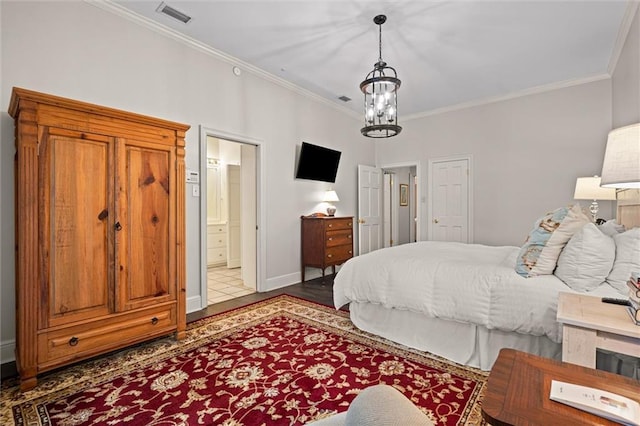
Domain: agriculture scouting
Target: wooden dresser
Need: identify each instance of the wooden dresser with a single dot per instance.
(325, 241)
(100, 230)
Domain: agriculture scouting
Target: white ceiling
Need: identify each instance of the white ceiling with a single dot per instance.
(446, 53)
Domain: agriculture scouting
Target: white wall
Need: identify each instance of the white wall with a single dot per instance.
(527, 153)
(626, 79)
(79, 51)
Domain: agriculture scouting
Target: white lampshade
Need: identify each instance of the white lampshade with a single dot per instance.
(330, 196)
(621, 167)
(588, 188)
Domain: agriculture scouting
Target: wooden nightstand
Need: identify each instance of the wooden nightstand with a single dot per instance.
(589, 324)
(519, 384)
(325, 241)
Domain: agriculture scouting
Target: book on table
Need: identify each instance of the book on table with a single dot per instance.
(634, 289)
(605, 404)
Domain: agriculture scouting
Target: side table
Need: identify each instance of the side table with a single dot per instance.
(589, 324)
(519, 384)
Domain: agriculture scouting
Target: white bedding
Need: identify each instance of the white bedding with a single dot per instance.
(469, 283)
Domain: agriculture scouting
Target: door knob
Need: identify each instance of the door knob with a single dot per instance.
(435, 220)
(361, 221)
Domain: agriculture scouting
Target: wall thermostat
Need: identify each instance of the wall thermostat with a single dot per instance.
(192, 176)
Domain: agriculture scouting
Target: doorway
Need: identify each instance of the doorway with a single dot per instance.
(400, 207)
(229, 217)
(388, 214)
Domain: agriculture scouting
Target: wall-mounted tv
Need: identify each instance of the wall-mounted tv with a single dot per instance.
(317, 163)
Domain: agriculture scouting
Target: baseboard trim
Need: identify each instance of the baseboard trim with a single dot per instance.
(7, 351)
(194, 303)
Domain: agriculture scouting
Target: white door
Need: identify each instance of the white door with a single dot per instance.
(234, 198)
(449, 204)
(248, 222)
(369, 208)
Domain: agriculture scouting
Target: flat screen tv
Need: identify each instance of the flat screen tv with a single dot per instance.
(317, 163)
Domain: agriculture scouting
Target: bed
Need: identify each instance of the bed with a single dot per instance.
(465, 302)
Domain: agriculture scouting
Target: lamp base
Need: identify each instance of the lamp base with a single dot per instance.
(593, 208)
(331, 210)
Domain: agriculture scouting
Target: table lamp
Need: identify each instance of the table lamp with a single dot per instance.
(621, 166)
(588, 188)
(330, 197)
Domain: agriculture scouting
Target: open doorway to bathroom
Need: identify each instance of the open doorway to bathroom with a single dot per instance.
(230, 219)
(400, 205)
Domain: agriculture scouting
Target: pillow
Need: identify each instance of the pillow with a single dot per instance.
(627, 259)
(539, 254)
(587, 259)
(611, 228)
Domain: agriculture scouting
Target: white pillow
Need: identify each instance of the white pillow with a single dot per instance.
(587, 259)
(611, 228)
(627, 259)
(539, 254)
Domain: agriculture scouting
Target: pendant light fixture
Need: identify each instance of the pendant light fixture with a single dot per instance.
(380, 89)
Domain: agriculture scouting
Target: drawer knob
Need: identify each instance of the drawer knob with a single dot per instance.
(330, 238)
(349, 236)
(329, 255)
(73, 341)
(350, 224)
(330, 225)
(350, 252)
(154, 320)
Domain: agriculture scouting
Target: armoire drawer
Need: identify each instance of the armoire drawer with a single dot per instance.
(82, 341)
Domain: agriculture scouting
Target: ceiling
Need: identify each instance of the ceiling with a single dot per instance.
(446, 53)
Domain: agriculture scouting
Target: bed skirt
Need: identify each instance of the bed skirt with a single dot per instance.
(463, 343)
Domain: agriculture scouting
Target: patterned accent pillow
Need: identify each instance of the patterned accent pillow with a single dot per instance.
(539, 254)
(587, 259)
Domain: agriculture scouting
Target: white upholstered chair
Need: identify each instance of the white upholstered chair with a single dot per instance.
(379, 405)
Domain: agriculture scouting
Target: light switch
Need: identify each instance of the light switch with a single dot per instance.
(196, 190)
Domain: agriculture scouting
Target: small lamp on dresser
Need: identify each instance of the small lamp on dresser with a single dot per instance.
(330, 197)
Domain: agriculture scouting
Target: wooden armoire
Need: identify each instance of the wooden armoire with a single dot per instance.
(100, 230)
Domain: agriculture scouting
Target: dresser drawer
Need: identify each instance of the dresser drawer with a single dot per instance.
(82, 341)
(217, 240)
(216, 229)
(339, 253)
(339, 238)
(339, 224)
(215, 255)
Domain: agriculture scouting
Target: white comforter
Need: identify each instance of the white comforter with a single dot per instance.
(470, 283)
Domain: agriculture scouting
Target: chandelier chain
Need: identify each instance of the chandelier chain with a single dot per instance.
(380, 43)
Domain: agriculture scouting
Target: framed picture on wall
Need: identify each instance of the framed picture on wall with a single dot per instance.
(404, 194)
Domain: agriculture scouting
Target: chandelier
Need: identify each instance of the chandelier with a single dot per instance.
(380, 89)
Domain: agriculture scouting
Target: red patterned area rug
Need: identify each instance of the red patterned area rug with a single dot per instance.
(283, 361)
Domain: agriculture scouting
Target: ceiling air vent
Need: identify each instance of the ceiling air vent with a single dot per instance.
(344, 98)
(175, 14)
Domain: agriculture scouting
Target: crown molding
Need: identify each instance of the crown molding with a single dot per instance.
(136, 18)
(513, 95)
(623, 33)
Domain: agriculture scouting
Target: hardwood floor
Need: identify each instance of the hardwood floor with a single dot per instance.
(318, 290)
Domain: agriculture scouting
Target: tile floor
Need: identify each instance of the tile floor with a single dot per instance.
(225, 284)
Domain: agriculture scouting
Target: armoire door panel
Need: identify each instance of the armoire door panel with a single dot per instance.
(145, 206)
(77, 191)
